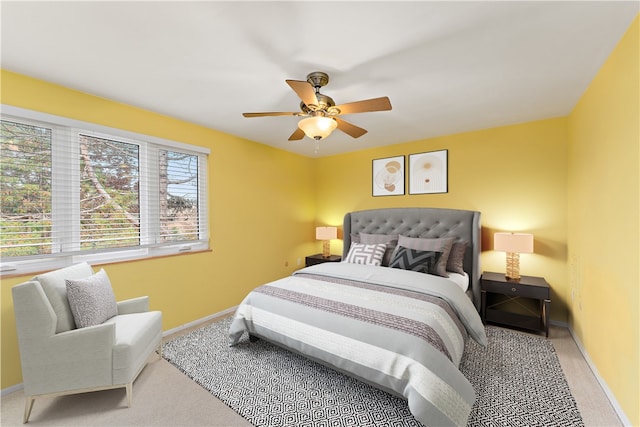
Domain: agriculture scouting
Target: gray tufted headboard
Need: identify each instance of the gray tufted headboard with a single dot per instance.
(423, 222)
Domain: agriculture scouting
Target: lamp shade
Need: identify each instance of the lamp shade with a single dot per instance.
(326, 233)
(317, 127)
(520, 243)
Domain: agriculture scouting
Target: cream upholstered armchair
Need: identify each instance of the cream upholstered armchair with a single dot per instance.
(107, 349)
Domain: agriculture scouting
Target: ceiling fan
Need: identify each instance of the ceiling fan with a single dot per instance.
(321, 111)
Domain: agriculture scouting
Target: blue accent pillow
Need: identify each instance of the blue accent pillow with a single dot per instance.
(415, 260)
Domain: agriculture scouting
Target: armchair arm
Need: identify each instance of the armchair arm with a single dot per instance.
(133, 305)
(90, 343)
(75, 359)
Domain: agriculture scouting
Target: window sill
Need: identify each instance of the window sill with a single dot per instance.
(35, 272)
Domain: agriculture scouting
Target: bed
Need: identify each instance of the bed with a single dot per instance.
(394, 313)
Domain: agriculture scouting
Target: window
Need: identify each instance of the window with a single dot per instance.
(179, 196)
(73, 191)
(109, 193)
(25, 190)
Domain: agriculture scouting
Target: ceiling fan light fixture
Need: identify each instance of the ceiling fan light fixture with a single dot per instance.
(317, 127)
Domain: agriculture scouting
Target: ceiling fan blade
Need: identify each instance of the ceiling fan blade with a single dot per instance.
(305, 91)
(350, 129)
(366, 106)
(298, 134)
(274, 113)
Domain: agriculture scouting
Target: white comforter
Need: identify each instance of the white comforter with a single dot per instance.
(400, 330)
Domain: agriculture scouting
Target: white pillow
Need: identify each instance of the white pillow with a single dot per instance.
(361, 253)
(91, 299)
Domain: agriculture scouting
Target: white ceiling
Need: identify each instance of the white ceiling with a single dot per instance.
(447, 67)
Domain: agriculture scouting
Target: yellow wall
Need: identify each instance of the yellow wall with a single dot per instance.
(604, 236)
(262, 213)
(514, 175)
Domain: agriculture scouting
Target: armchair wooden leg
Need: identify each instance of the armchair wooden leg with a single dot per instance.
(129, 388)
(160, 350)
(28, 406)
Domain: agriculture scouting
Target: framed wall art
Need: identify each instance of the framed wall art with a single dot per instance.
(428, 172)
(388, 176)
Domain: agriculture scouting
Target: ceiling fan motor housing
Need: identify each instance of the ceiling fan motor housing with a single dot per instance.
(317, 79)
(324, 103)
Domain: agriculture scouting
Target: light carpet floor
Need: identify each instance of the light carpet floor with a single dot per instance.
(163, 396)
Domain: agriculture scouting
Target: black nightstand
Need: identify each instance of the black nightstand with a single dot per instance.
(493, 288)
(319, 259)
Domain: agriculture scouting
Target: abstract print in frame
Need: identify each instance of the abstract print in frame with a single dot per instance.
(388, 176)
(428, 172)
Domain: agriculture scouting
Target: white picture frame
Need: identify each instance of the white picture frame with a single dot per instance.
(428, 172)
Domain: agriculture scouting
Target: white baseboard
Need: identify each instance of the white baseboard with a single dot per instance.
(197, 322)
(226, 312)
(11, 389)
(558, 323)
(605, 388)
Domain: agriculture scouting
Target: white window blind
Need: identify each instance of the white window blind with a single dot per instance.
(25, 189)
(80, 192)
(109, 193)
(178, 196)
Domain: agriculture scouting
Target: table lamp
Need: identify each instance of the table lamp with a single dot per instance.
(513, 244)
(326, 234)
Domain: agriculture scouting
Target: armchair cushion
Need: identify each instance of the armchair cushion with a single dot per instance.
(137, 335)
(55, 287)
(91, 299)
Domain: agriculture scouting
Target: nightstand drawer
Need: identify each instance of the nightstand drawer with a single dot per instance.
(516, 289)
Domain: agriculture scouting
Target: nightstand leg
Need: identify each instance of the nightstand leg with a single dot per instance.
(483, 305)
(545, 316)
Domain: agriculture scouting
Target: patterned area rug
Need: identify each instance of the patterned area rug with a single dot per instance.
(518, 380)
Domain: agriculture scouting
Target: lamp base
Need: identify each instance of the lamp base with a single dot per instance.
(513, 266)
(326, 248)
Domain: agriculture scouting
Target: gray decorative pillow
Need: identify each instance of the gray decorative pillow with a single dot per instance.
(91, 299)
(438, 245)
(455, 263)
(415, 260)
(360, 253)
(391, 240)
